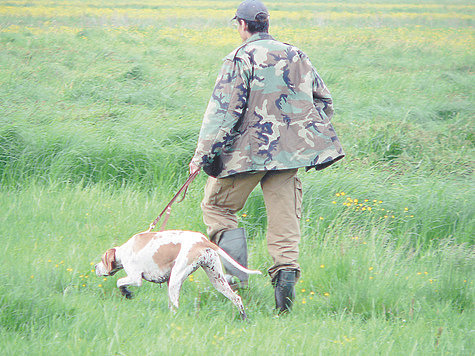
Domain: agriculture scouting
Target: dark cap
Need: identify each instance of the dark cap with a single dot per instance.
(249, 9)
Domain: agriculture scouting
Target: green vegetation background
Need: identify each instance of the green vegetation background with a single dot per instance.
(99, 116)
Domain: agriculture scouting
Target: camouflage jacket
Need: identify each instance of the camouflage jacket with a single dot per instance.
(269, 110)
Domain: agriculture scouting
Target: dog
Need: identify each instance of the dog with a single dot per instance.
(169, 256)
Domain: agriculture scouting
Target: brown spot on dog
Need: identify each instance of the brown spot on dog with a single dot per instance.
(198, 248)
(166, 255)
(142, 240)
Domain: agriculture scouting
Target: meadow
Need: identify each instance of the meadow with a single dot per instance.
(100, 108)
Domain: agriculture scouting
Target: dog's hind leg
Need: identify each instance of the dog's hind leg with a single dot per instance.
(179, 273)
(215, 274)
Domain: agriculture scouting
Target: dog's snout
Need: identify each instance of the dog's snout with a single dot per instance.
(98, 270)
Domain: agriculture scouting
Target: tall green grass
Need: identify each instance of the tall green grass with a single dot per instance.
(111, 104)
(361, 290)
(99, 116)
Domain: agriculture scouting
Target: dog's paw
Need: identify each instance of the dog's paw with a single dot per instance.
(126, 293)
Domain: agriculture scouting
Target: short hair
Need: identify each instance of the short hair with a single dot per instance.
(260, 25)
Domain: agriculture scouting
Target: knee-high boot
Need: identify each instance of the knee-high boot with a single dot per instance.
(233, 242)
(284, 284)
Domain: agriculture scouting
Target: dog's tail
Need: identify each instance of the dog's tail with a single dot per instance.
(228, 258)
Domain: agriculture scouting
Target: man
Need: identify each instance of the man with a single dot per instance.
(269, 115)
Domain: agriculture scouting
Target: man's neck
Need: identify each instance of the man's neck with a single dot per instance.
(246, 35)
(258, 35)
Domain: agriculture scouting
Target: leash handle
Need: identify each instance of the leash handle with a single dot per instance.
(168, 208)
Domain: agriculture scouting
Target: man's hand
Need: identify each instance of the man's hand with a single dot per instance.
(193, 168)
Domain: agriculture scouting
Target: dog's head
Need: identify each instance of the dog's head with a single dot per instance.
(109, 264)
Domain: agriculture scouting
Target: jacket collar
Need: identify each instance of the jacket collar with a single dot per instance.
(255, 37)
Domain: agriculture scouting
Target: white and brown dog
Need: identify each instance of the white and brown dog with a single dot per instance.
(169, 256)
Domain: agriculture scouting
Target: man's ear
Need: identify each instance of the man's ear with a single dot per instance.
(109, 260)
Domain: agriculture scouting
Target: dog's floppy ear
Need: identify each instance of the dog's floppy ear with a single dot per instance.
(109, 260)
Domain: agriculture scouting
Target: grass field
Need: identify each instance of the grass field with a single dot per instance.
(100, 108)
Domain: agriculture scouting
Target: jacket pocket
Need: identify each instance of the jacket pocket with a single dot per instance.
(298, 197)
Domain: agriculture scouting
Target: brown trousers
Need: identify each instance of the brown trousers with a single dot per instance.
(282, 191)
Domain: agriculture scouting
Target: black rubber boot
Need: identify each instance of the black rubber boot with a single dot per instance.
(233, 242)
(284, 284)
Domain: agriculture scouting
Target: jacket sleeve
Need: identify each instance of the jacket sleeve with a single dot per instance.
(225, 108)
(322, 99)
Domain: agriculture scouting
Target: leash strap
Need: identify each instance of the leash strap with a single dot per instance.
(168, 208)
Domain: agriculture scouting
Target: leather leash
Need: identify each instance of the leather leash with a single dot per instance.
(168, 208)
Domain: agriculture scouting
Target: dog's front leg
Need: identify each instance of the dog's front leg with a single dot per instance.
(132, 280)
(125, 292)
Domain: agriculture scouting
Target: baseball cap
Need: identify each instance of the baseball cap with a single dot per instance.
(249, 9)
